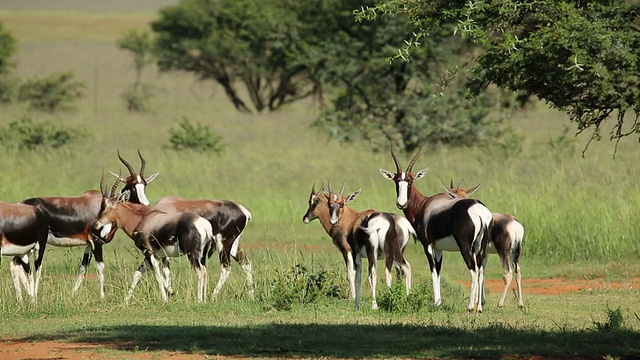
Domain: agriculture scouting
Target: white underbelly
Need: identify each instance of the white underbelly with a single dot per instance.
(169, 251)
(65, 242)
(15, 250)
(446, 244)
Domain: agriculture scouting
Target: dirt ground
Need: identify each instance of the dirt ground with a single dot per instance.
(24, 350)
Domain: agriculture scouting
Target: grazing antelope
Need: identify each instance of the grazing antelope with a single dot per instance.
(158, 235)
(371, 234)
(444, 224)
(23, 229)
(506, 237)
(70, 220)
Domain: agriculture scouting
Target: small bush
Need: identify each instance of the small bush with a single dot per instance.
(298, 286)
(8, 89)
(138, 97)
(395, 300)
(53, 93)
(24, 134)
(615, 321)
(198, 138)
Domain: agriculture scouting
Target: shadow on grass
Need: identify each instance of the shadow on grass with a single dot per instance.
(358, 341)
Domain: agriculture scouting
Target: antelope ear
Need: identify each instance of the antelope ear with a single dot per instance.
(124, 196)
(151, 178)
(387, 174)
(353, 196)
(421, 173)
(473, 189)
(120, 178)
(448, 190)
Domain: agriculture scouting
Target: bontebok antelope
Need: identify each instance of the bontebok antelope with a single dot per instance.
(70, 220)
(158, 235)
(371, 234)
(228, 220)
(444, 224)
(319, 209)
(23, 229)
(506, 237)
(136, 184)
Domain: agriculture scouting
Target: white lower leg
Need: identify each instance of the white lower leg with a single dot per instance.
(159, 277)
(373, 279)
(519, 285)
(100, 270)
(137, 275)
(406, 270)
(15, 277)
(82, 270)
(248, 271)
(224, 275)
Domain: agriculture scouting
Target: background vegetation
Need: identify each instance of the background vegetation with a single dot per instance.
(580, 215)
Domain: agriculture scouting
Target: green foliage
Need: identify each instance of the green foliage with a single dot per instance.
(196, 137)
(140, 44)
(8, 88)
(579, 56)
(614, 323)
(562, 144)
(297, 285)
(7, 50)
(395, 299)
(252, 43)
(55, 92)
(25, 134)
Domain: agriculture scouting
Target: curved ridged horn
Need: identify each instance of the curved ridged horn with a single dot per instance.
(313, 189)
(112, 192)
(329, 185)
(451, 184)
(142, 164)
(131, 172)
(460, 185)
(102, 189)
(413, 160)
(395, 160)
(344, 185)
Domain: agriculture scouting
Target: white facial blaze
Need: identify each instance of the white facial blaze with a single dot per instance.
(403, 191)
(105, 230)
(141, 195)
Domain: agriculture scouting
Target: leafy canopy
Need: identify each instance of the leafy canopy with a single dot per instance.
(579, 56)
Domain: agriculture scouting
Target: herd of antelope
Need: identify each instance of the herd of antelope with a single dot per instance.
(448, 221)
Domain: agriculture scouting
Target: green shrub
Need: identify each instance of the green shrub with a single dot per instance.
(8, 88)
(198, 138)
(25, 134)
(615, 321)
(395, 300)
(297, 285)
(138, 97)
(53, 93)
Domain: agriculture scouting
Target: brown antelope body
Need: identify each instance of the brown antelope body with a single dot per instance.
(228, 220)
(374, 235)
(444, 224)
(158, 235)
(23, 229)
(71, 218)
(506, 238)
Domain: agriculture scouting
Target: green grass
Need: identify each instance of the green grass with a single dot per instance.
(580, 216)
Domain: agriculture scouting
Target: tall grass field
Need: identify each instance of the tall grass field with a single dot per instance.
(580, 215)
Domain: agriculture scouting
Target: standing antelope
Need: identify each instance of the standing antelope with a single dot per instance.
(372, 234)
(228, 220)
(23, 229)
(319, 209)
(70, 220)
(444, 224)
(506, 237)
(158, 235)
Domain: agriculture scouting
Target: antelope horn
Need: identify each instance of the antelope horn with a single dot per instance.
(451, 184)
(113, 188)
(142, 164)
(102, 189)
(131, 172)
(344, 184)
(459, 185)
(313, 189)
(395, 159)
(413, 160)
(116, 176)
(329, 184)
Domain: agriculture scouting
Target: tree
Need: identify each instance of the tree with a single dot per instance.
(7, 50)
(140, 44)
(237, 42)
(581, 57)
(404, 101)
